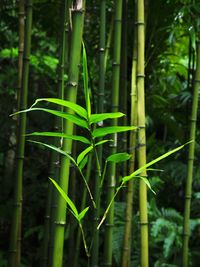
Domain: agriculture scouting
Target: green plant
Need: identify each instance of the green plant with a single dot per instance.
(84, 119)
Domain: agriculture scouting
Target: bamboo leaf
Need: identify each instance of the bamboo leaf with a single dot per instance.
(75, 107)
(103, 142)
(62, 135)
(55, 149)
(83, 162)
(67, 199)
(147, 183)
(71, 117)
(119, 157)
(85, 81)
(83, 154)
(99, 132)
(82, 214)
(87, 150)
(138, 171)
(94, 118)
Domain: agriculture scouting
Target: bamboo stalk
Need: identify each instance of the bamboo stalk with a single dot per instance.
(141, 133)
(188, 189)
(55, 158)
(123, 82)
(115, 102)
(15, 239)
(130, 187)
(71, 94)
(100, 109)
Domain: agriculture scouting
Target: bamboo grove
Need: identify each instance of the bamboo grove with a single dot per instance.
(99, 165)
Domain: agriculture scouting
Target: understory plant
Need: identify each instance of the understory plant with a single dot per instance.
(90, 123)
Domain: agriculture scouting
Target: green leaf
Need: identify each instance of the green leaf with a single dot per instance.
(111, 130)
(55, 149)
(71, 117)
(94, 118)
(67, 199)
(119, 157)
(138, 171)
(83, 162)
(61, 135)
(83, 154)
(103, 142)
(85, 81)
(82, 214)
(146, 181)
(75, 107)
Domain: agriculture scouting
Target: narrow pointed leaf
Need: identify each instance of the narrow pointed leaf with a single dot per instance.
(103, 142)
(138, 171)
(55, 149)
(83, 162)
(71, 117)
(66, 198)
(99, 132)
(83, 154)
(61, 135)
(82, 214)
(94, 118)
(75, 107)
(119, 157)
(85, 80)
(147, 183)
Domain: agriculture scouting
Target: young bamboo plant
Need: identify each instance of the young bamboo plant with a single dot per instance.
(84, 119)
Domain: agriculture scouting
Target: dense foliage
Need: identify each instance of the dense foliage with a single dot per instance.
(172, 29)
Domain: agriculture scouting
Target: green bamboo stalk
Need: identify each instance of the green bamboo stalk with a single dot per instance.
(130, 188)
(109, 39)
(115, 102)
(15, 243)
(123, 81)
(71, 94)
(83, 201)
(188, 190)
(141, 133)
(100, 109)
(55, 158)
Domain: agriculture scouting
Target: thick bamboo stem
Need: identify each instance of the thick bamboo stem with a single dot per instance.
(142, 133)
(14, 258)
(71, 94)
(188, 190)
(115, 102)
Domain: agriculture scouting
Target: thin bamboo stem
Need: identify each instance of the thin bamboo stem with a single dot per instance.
(130, 187)
(191, 154)
(142, 133)
(107, 261)
(95, 247)
(14, 257)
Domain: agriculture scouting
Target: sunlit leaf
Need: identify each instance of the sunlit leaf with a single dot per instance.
(75, 107)
(71, 117)
(82, 214)
(61, 135)
(99, 132)
(139, 171)
(83, 154)
(94, 118)
(83, 162)
(66, 198)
